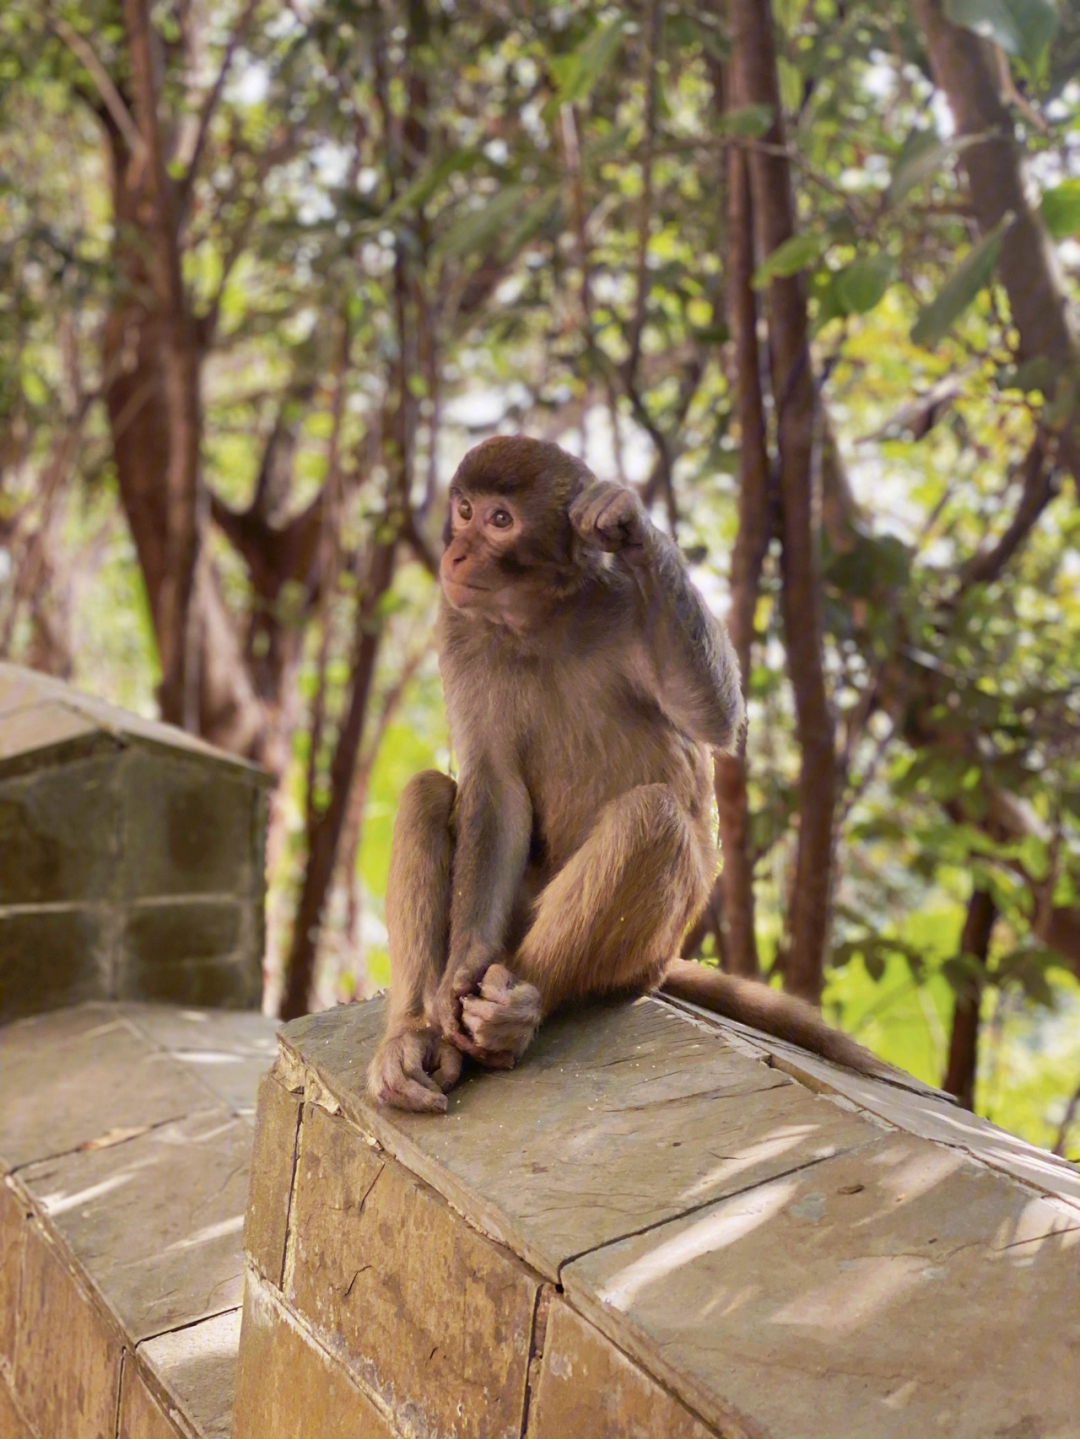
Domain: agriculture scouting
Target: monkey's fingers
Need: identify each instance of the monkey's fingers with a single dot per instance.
(489, 1058)
(506, 1021)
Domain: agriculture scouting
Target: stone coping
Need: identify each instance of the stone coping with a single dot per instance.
(41, 715)
(768, 1243)
(125, 1144)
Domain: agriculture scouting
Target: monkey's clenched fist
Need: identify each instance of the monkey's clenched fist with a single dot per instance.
(611, 517)
(413, 1069)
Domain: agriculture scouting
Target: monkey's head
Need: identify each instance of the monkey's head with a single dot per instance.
(510, 547)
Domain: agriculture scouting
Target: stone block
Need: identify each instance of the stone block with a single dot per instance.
(155, 1219)
(288, 1386)
(377, 1260)
(60, 833)
(52, 958)
(588, 1387)
(80, 1076)
(227, 1050)
(12, 1423)
(188, 827)
(13, 1219)
(196, 952)
(143, 1415)
(667, 1114)
(276, 1134)
(198, 1365)
(67, 1352)
(906, 1288)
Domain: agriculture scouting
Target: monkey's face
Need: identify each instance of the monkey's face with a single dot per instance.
(510, 547)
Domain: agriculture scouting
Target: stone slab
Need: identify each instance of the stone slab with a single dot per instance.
(430, 1315)
(901, 1290)
(14, 1214)
(919, 1109)
(288, 1385)
(198, 1365)
(228, 1051)
(143, 1415)
(12, 1423)
(613, 1122)
(270, 1189)
(67, 1353)
(156, 1219)
(588, 1387)
(79, 1075)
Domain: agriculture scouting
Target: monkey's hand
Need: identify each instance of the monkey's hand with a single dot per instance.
(412, 1069)
(611, 517)
(499, 1021)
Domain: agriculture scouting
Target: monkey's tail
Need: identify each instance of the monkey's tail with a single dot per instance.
(781, 1015)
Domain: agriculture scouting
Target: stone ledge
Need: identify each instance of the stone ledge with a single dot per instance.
(650, 1227)
(125, 1139)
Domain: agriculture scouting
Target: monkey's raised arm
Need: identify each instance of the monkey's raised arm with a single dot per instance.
(692, 660)
(493, 823)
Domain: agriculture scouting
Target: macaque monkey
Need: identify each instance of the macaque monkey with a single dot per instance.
(586, 687)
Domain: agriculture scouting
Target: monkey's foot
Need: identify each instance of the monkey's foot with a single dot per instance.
(500, 1020)
(412, 1070)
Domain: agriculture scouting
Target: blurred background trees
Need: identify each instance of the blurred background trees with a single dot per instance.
(807, 278)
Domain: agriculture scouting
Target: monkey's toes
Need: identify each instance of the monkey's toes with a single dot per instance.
(397, 1076)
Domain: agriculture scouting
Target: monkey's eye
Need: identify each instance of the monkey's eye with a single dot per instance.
(501, 519)
(464, 510)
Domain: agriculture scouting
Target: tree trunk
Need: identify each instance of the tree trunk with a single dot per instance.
(326, 833)
(748, 555)
(963, 68)
(754, 63)
(964, 1042)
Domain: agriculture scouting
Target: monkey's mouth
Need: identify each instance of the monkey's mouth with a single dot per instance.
(461, 595)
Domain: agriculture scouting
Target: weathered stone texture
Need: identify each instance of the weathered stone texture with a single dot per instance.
(907, 1289)
(67, 1353)
(120, 1235)
(197, 1363)
(288, 1386)
(376, 1263)
(155, 1219)
(104, 819)
(142, 1414)
(13, 1218)
(12, 1423)
(588, 1387)
(271, 1178)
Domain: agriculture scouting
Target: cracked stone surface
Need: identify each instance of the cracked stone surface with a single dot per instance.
(125, 1136)
(751, 1242)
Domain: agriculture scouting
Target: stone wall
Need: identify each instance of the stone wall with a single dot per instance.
(658, 1225)
(131, 858)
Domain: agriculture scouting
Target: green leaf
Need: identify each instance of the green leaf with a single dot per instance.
(751, 120)
(862, 284)
(476, 229)
(974, 273)
(1022, 27)
(921, 154)
(788, 259)
(1061, 209)
(578, 72)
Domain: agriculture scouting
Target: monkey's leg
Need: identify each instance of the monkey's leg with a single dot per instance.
(414, 1064)
(611, 919)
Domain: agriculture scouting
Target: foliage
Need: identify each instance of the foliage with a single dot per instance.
(490, 220)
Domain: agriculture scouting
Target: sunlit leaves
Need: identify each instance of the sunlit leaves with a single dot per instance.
(1022, 27)
(973, 274)
(788, 259)
(1061, 209)
(578, 72)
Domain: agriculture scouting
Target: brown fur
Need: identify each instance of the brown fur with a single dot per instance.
(586, 686)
